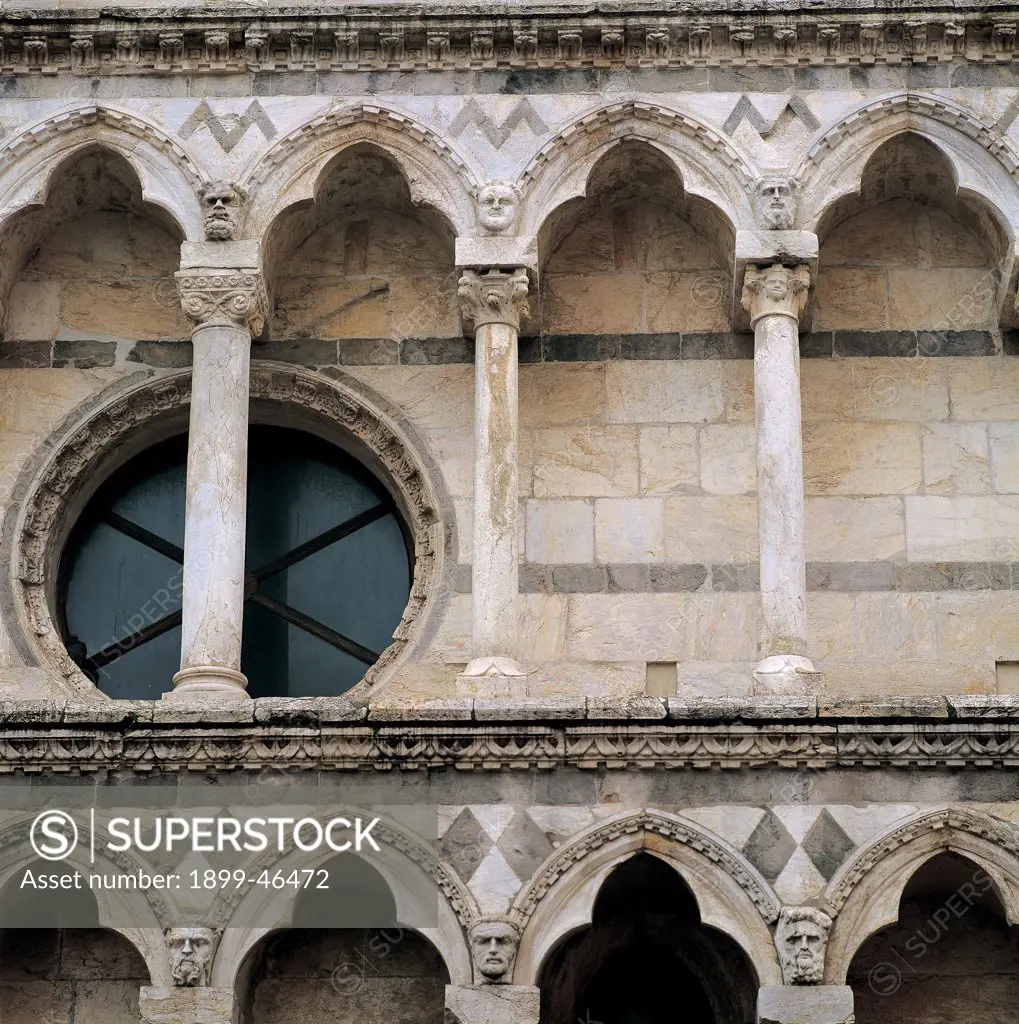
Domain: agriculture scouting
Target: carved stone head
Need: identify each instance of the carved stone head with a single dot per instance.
(494, 942)
(221, 205)
(190, 952)
(498, 206)
(775, 203)
(801, 938)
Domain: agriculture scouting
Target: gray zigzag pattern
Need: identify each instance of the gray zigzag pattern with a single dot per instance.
(497, 134)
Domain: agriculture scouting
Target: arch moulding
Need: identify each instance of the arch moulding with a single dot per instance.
(731, 894)
(291, 171)
(123, 421)
(984, 161)
(169, 177)
(709, 165)
(865, 893)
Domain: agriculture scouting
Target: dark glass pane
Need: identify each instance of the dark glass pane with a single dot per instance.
(119, 574)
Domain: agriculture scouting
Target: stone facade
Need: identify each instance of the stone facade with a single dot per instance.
(687, 348)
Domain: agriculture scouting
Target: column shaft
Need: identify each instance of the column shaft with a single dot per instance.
(226, 305)
(495, 560)
(780, 513)
(216, 499)
(775, 297)
(494, 300)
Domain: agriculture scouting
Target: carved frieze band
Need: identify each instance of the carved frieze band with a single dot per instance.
(235, 298)
(27, 745)
(537, 40)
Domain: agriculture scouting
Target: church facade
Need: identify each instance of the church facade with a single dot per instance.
(597, 426)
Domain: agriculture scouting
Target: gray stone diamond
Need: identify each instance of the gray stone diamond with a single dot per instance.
(827, 845)
(523, 845)
(770, 846)
(465, 844)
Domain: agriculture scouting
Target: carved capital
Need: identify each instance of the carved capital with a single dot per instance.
(775, 291)
(224, 297)
(494, 296)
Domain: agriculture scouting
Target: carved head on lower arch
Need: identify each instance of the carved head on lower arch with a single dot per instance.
(190, 951)
(494, 942)
(221, 207)
(801, 938)
(775, 203)
(498, 205)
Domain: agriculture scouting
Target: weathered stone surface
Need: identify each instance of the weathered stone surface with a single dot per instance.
(805, 1004)
(493, 1004)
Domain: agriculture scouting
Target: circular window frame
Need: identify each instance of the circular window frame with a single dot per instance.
(118, 424)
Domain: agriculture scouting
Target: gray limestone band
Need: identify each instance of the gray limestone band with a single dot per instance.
(552, 348)
(725, 577)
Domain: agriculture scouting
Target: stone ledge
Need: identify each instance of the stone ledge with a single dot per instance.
(902, 711)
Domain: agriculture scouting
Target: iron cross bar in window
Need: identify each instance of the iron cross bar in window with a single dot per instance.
(253, 578)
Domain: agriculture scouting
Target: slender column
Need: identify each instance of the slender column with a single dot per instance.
(226, 306)
(775, 297)
(494, 301)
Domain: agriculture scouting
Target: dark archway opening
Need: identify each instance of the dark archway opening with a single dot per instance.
(647, 959)
(951, 958)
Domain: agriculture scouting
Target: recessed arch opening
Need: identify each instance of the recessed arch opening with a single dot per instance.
(645, 953)
(950, 955)
(92, 259)
(909, 250)
(362, 260)
(636, 253)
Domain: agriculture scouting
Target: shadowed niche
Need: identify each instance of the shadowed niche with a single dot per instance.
(647, 959)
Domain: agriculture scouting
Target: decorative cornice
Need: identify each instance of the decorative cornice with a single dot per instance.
(520, 36)
(58, 737)
(218, 298)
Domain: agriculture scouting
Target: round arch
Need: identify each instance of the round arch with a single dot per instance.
(168, 176)
(409, 867)
(106, 431)
(864, 895)
(294, 168)
(709, 165)
(731, 895)
(984, 163)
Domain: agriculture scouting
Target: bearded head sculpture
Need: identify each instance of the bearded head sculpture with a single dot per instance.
(801, 939)
(775, 203)
(190, 952)
(221, 207)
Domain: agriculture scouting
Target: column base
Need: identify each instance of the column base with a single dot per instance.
(786, 675)
(492, 677)
(805, 1004)
(492, 1004)
(209, 682)
(187, 1005)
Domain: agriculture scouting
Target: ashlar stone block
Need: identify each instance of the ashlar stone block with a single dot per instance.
(805, 1004)
(492, 1004)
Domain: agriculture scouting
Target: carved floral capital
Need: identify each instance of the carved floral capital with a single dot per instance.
(229, 298)
(775, 291)
(494, 296)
